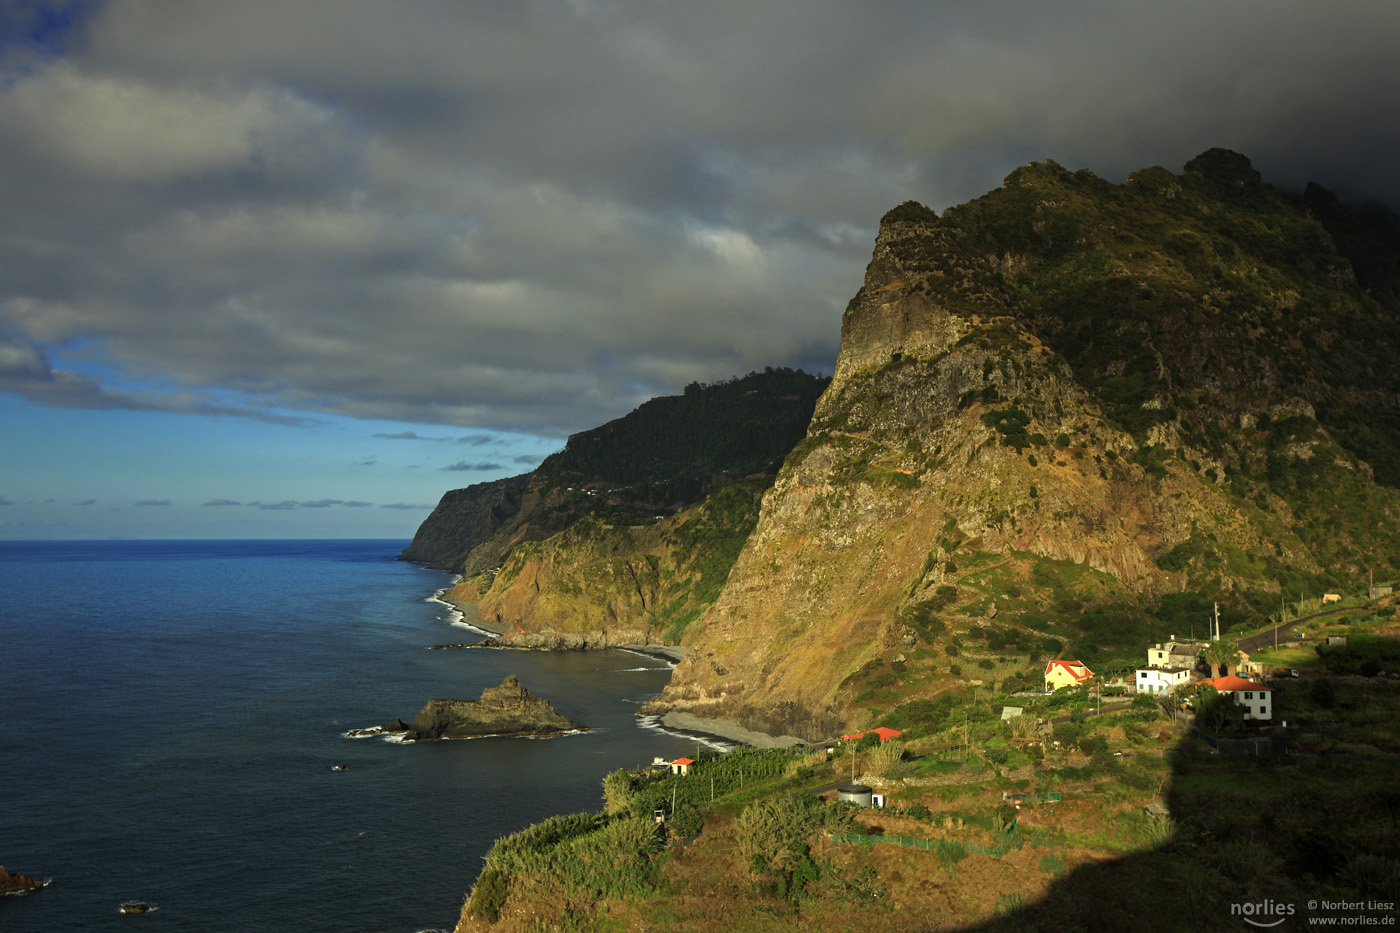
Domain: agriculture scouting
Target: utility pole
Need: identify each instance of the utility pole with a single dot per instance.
(1217, 621)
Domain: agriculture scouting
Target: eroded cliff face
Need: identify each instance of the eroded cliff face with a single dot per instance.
(600, 584)
(956, 451)
(463, 519)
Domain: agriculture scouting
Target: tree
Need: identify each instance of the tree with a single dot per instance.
(618, 794)
(1218, 654)
(1218, 712)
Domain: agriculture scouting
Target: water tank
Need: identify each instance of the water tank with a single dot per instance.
(858, 794)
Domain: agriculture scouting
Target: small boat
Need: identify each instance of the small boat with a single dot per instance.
(337, 767)
(134, 907)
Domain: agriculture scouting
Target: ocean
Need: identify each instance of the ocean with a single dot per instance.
(171, 712)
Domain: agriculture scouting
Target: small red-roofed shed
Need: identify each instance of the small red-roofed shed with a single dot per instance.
(884, 732)
(682, 765)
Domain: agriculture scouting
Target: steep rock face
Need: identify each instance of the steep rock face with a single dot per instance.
(667, 456)
(598, 584)
(1066, 379)
(509, 709)
(463, 519)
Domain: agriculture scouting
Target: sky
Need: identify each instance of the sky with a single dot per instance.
(295, 270)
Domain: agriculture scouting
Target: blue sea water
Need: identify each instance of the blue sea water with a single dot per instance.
(170, 713)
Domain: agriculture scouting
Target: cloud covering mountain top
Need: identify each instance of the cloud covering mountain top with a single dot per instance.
(536, 215)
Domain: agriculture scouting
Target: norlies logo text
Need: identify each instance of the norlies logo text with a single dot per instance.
(1265, 908)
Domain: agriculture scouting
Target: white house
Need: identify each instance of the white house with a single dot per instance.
(1159, 680)
(1256, 699)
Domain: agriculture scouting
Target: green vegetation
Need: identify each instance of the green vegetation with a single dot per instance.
(737, 427)
(761, 852)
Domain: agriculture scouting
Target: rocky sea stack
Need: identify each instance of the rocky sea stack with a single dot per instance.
(12, 882)
(509, 709)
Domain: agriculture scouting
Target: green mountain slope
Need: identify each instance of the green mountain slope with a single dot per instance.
(1085, 411)
(628, 534)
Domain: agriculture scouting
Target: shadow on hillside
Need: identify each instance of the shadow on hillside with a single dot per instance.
(1252, 842)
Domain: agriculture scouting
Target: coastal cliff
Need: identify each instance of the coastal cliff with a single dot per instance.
(599, 584)
(463, 519)
(627, 535)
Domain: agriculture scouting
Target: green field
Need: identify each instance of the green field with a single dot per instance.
(1297, 657)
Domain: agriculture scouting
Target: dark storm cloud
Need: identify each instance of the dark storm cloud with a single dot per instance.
(535, 215)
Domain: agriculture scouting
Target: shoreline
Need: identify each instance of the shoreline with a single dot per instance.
(725, 730)
(467, 616)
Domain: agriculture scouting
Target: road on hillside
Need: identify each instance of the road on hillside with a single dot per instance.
(1282, 634)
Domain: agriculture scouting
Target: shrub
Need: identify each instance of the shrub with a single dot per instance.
(489, 894)
(772, 835)
(618, 794)
(686, 822)
(886, 758)
(1093, 745)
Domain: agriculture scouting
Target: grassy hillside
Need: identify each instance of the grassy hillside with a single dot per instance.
(611, 578)
(754, 841)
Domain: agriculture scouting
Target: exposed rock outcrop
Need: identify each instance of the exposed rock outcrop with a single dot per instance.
(509, 709)
(12, 882)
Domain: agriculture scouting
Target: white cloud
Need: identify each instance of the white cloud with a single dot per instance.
(123, 129)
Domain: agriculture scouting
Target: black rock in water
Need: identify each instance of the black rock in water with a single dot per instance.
(509, 709)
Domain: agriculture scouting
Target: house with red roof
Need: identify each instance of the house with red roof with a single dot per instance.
(682, 765)
(1257, 699)
(1066, 674)
(883, 732)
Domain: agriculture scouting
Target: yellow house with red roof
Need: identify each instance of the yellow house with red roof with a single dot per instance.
(1066, 674)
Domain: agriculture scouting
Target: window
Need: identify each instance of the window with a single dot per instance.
(1263, 711)
(1249, 694)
